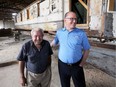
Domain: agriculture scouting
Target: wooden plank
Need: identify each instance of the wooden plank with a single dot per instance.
(83, 4)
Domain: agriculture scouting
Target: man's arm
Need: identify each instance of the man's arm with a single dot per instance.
(52, 43)
(22, 76)
(49, 60)
(85, 56)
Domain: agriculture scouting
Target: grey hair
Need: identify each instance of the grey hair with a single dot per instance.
(37, 30)
(66, 14)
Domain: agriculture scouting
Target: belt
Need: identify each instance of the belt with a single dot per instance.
(70, 64)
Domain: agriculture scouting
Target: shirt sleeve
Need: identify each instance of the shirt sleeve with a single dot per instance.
(56, 41)
(22, 54)
(86, 44)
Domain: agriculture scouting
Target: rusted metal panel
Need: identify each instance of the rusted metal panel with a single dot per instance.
(108, 25)
(95, 7)
(95, 22)
(95, 14)
(114, 25)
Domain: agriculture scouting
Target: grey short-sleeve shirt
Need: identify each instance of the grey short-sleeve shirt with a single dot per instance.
(36, 60)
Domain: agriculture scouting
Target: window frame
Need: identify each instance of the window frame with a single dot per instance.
(84, 25)
(108, 7)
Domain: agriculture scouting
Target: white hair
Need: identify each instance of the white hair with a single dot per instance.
(37, 30)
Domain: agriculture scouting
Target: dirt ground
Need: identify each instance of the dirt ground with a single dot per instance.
(9, 74)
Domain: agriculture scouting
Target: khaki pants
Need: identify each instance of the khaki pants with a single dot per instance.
(39, 80)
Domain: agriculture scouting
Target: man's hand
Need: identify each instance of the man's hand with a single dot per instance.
(82, 63)
(23, 81)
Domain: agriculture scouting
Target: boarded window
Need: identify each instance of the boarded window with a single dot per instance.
(38, 7)
(21, 17)
(111, 5)
(27, 13)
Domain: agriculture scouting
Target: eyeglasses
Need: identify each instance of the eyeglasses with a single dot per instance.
(72, 19)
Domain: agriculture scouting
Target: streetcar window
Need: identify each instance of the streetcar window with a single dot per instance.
(21, 17)
(53, 6)
(27, 13)
(80, 10)
(38, 5)
(111, 5)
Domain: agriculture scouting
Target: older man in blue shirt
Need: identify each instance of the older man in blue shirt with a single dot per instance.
(73, 52)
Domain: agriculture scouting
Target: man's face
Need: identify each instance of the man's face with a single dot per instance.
(70, 20)
(37, 37)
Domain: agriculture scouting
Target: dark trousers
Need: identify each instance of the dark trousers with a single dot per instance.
(67, 71)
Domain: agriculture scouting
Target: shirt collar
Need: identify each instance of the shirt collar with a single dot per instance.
(64, 29)
(42, 44)
(31, 42)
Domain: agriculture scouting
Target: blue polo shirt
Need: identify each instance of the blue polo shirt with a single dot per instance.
(71, 44)
(36, 60)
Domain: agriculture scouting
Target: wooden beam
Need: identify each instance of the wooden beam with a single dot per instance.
(83, 4)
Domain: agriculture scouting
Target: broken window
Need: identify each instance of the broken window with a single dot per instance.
(53, 5)
(80, 8)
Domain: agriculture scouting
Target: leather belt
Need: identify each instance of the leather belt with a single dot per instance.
(72, 64)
